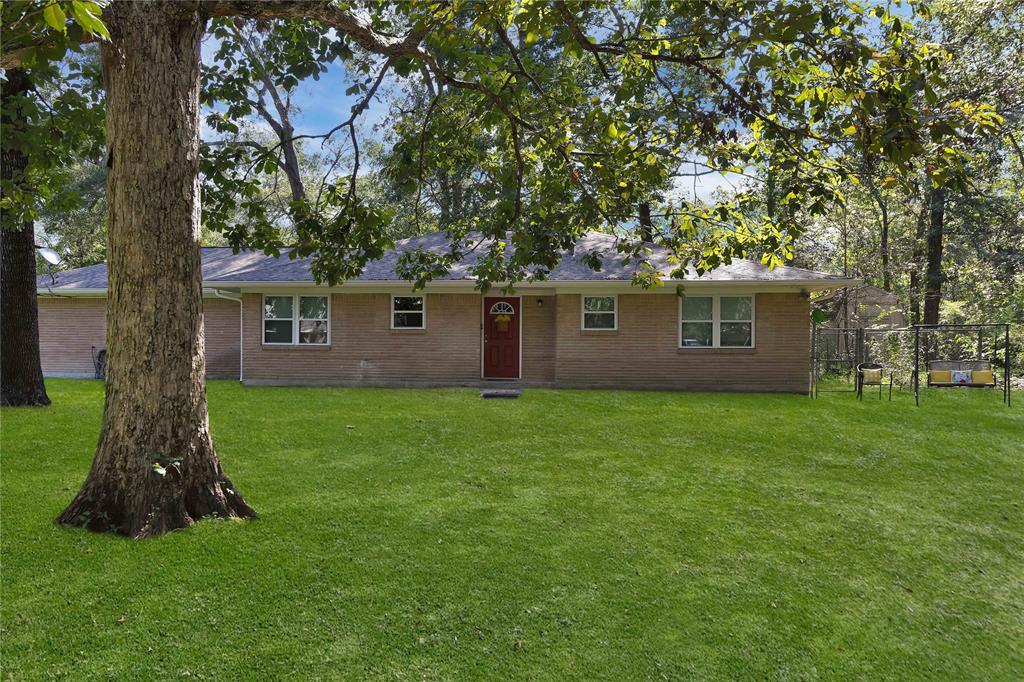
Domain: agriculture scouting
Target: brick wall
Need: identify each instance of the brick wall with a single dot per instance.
(220, 323)
(365, 350)
(644, 352)
(70, 327)
(538, 339)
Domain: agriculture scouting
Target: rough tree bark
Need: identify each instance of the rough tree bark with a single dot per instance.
(155, 468)
(21, 374)
(933, 271)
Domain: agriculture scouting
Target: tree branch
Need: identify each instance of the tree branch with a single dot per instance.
(329, 14)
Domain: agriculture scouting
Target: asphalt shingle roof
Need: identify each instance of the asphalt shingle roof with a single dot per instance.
(223, 266)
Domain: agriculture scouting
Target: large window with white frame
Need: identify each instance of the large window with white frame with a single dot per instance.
(600, 313)
(290, 320)
(716, 322)
(408, 312)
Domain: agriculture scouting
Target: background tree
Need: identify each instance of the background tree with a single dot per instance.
(958, 244)
(47, 116)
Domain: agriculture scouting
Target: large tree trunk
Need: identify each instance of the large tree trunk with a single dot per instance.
(155, 468)
(21, 374)
(933, 272)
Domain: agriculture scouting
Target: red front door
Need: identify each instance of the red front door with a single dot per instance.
(501, 337)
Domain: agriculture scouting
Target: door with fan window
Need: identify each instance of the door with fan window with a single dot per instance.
(501, 337)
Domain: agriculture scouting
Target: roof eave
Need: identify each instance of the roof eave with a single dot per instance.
(568, 286)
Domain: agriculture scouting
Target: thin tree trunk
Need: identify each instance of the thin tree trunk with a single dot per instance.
(868, 168)
(886, 269)
(281, 126)
(21, 374)
(933, 272)
(645, 222)
(155, 468)
(916, 258)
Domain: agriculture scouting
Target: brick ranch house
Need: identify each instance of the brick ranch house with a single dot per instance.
(741, 327)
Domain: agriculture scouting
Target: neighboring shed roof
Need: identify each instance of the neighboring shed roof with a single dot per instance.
(222, 266)
(866, 293)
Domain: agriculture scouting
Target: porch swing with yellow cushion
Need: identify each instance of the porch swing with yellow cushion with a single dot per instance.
(963, 339)
(974, 373)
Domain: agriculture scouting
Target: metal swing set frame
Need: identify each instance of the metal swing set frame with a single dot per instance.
(926, 329)
(847, 348)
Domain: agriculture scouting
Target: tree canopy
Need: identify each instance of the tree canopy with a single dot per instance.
(567, 116)
(571, 116)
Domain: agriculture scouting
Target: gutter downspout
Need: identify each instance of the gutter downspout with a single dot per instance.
(241, 331)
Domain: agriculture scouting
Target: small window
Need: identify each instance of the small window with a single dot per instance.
(408, 312)
(502, 308)
(716, 322)
(600, 312)
(290, 320)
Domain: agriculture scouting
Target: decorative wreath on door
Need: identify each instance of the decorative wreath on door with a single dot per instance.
(503, 312)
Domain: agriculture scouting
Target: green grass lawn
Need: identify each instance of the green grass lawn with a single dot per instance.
(410, 534)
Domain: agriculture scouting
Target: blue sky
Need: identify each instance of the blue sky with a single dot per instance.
(323, 103)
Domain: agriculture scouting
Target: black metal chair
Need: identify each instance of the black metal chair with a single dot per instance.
(872, 374)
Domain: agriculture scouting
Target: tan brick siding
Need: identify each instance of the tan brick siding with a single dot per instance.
(220, 322)
(644, 352)
(69, 328)
(365, 350)
(538, 339)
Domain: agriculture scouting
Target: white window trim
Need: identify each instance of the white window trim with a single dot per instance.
(402, 329)
(294, 320)
(615, 313)
(716, 322)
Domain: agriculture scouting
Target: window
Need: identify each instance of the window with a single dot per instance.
(600, 312)
(278, 318)
(698, 322)
(313, 319)
(291, 320)
(736, 325)
(502, 308)
(408, 312)
(716, 322)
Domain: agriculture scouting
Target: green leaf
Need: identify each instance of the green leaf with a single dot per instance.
(612, 131)
(55, 17)
(87, 16)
